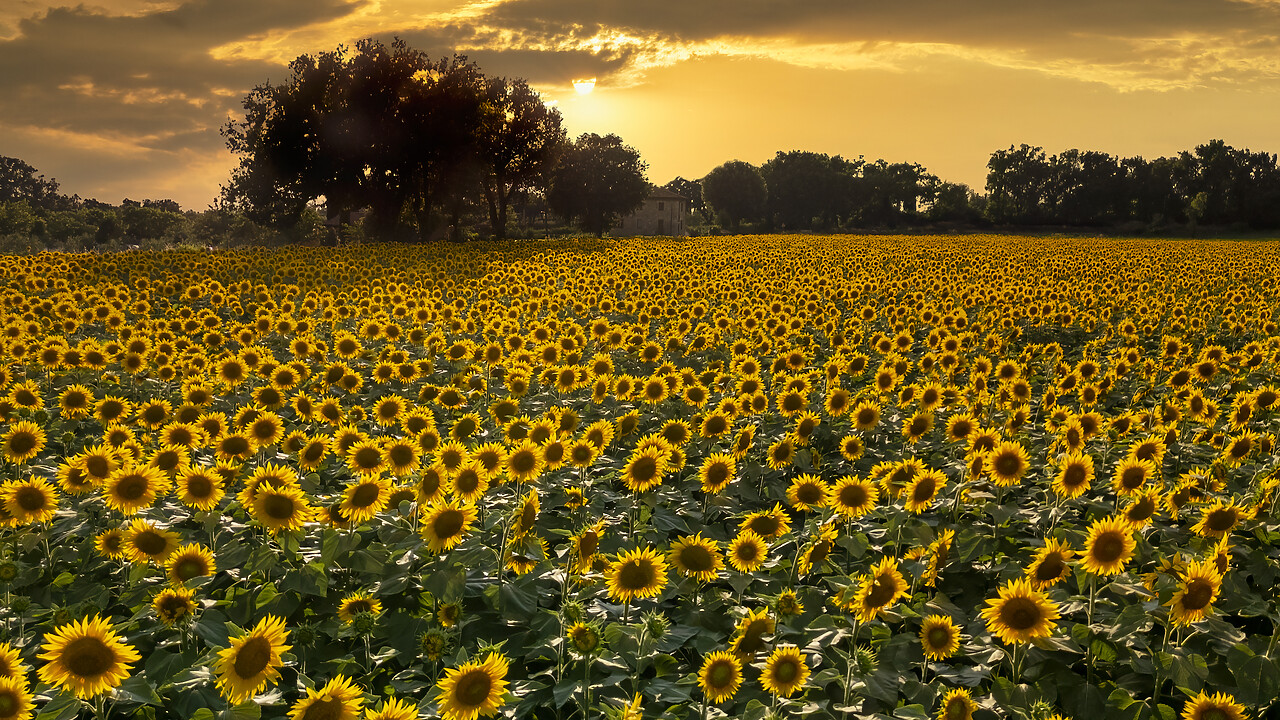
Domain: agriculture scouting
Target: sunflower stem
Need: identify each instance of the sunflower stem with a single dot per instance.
(586, 687)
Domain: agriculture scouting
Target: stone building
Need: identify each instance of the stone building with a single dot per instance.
(663, 213)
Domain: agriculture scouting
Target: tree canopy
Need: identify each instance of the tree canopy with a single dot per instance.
(598, 180)
(411, 138)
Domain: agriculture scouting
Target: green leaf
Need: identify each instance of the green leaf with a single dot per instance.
(138, 690)
(1189, 673)
(911, 712)
(63, 706)
(1257, 681)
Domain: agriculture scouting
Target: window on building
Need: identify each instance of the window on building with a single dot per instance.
(659, 204)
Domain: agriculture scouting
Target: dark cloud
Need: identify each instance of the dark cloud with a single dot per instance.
(524, 56)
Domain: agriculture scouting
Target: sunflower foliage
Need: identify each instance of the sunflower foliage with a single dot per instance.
(735, 477)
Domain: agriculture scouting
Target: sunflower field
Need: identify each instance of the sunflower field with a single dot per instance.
(747, 477)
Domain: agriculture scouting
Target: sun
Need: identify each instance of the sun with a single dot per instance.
(584, 86)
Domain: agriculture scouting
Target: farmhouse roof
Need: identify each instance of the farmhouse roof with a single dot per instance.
(665, 194)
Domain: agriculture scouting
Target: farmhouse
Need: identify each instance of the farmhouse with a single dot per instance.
(663, 213)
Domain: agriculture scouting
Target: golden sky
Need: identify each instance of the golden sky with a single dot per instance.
(124, 98)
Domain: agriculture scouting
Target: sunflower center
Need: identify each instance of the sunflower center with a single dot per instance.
(747, 552)
(365, 495)
(88, 657)
(1142, 509)
(1007, 464)
(368, 458)
(278, 507)
(22, 443)
(924, 490)
(589, 543)
(1221, 520)
(1132, 478)
(785, 672)
(448, 523)
(1108, 547)
(359, 606)
(644, 469)
(171, 606)
(882, 591)
(765, 525)
(473, 688)
(97, 466)
(809, 493)
(1050, 568)
(329, 708)
(523, 462)
(199, 486)
(132, 487)
(939, 637)
(30, 500)
(1198, 595)
(190, 568)
(235, 445)
(696, 558)
(636, 575)
(150, 542)
(1212, 713)
(466, 482)
(720, 674)
(253, 657)
(717, 474)
(853, 496)
(1074, 476)
(1020, 613)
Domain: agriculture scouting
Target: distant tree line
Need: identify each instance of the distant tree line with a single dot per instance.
(1215, 184)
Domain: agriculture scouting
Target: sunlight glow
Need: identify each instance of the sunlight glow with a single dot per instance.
(584, 86)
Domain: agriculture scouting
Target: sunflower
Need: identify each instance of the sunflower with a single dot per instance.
(939, 637)
(75, 402)
(645, 468)
(86, 657)
(696, 557)
(356, 603)
(748, 551)
(879, 589)
(720, 676)
(923, 490)
(1220, 519)
(29, 501)
(188, 562)
(638, 573)
(525, 517)
(781, 453)
(22, 442)
(444, 524)
(1049, 565)
(1075, 475)
(866, 416)
(768, 524)
(852, 497)
(584, 638)
(1141, 507)
(110, 543)
(474, 689)
(199, 488)
(144, 541)
(234, 446)
(252, 661)
(281, 508)
(1131, 475)
(717, 471)
(1020, 613)
(957, 705)
(470, 482)
(785, 671)
(365, 497)
(524, 461)
(585, 545)
(1109, 546)
(807, 492)
(365, 459)
(817, 549)
(73, 479)
(1197, 589)
(173, 604)
(11, 665)
(750, 633)
(393, 709)
(1219, 706)
(131, 488)
(1007, 463)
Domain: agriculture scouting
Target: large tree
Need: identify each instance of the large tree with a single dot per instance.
(20, 182)
(736, 191)
(391, 130)
(811, 190)
(598, 180)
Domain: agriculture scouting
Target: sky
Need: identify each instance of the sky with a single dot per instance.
(125, 98)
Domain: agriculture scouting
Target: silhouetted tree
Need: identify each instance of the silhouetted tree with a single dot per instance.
(736, 192)
(598, 180)
(808, 189)
(20, 182)
(1017, 185)
(519, 148)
